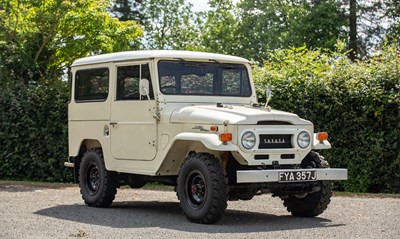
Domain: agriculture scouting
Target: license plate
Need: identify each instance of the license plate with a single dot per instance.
(297, 176)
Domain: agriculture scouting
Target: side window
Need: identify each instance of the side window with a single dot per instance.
(128, 78)
(92, 84)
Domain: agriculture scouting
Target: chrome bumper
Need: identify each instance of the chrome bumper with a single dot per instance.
(266, 176)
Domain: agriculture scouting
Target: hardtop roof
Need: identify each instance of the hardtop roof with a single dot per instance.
(161, 54)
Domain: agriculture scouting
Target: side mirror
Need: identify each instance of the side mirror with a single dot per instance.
(144, 88)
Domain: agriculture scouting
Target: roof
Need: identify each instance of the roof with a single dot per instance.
(164, 54)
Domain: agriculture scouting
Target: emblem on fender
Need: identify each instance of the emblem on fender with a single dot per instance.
(201, 128)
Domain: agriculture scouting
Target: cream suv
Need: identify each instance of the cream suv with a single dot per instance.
(190, 120)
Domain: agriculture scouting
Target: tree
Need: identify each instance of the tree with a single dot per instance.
(221, 27)
(393, 14)
(353, 30)
(168, 24)
(268, 25)
(41, 38)
(370, 25)
(127, 10)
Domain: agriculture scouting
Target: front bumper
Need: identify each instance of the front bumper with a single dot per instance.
(266, 176)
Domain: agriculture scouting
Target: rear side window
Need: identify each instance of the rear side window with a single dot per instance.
(92, 84)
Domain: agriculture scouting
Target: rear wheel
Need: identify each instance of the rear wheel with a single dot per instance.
(202, 188)
(98, 186)
(311, 204)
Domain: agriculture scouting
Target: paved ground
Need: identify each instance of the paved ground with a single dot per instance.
(42, 212)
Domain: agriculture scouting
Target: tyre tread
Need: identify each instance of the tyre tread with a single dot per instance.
(315, 203)
(107, 195)
(219, 182)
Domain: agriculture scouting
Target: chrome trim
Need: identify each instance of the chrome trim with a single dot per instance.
(265, 176)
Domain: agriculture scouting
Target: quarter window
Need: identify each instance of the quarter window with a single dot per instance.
(92, 84)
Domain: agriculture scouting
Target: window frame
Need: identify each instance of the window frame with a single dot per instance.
(127, 64)
(219, 83)
(76, 85)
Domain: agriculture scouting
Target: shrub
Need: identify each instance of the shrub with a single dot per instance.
(33, 131)
(357, 103)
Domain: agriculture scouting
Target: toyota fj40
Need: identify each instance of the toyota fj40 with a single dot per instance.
(190, 120)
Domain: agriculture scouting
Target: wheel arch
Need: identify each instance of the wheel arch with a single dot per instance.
(186, 143)
(84, 145)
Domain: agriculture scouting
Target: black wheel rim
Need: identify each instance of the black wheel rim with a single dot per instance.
(93, 179)
(196, 190)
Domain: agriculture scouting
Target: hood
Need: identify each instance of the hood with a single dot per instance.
(211, 114)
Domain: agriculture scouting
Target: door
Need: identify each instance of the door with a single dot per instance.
(133, 128)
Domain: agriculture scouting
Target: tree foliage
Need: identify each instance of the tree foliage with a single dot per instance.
(45, 36)
(128, 10)
(168, 24)
(220, 28)
(270, 25)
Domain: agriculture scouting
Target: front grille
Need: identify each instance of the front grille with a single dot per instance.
(275, 141)
(272, 122)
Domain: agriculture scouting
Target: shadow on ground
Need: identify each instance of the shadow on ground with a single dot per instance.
(168, 215)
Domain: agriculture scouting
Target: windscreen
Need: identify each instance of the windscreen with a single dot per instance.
(203, 78)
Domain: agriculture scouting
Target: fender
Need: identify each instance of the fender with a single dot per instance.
(210, 141)
(183, 143)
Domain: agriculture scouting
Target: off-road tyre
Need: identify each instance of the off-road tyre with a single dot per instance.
(312, 204)
(98, 186)
(202, 188)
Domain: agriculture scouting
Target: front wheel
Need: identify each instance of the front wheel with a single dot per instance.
(311, 204)
(98, 186)
(202, 188)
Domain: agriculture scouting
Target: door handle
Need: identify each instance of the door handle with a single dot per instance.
(113, 123)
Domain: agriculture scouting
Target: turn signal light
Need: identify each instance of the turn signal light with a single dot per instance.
(225, 137)
(214, 128)
(321, 136)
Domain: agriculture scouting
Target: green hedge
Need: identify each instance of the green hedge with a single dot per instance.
(357, 103)
(33, 131)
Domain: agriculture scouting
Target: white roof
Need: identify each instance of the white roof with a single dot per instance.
(164, 54)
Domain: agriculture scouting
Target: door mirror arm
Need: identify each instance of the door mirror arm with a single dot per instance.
(144, 88)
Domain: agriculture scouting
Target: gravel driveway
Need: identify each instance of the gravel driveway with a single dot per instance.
(43, 212)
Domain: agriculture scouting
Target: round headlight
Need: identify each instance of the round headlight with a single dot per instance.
(248, 140)
(304, 139)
